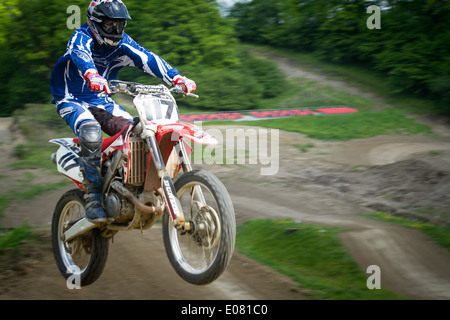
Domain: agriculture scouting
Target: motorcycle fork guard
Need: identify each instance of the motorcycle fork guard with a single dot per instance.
(169, 193)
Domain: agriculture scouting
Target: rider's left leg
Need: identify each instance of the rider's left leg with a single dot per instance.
(90, 136)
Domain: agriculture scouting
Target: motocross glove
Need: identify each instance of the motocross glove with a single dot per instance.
(96, 82)
(188, 85)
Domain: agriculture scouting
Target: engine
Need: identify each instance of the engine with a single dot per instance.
(127, 202)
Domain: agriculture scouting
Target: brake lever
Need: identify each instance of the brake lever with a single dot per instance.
(178, 89)
(192, 95)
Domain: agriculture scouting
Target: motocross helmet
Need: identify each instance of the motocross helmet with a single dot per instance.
(107, 20)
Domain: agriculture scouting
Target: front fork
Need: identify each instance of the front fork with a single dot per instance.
(169, 193)
(172, 202)
(196, 193)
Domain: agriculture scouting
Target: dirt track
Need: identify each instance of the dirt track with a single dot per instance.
(328, 185)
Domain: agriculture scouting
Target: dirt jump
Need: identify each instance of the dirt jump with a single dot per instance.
(333, 183)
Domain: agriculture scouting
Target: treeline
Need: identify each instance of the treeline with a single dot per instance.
(411, 48)
(192, 36)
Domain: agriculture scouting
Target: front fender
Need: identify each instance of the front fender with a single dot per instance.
(185, 130)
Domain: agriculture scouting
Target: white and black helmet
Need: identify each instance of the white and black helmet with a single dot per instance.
(107, 20)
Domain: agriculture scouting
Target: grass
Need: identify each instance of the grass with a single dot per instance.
(304, 147)
(12, 239)
(359, 125)
(311, 255)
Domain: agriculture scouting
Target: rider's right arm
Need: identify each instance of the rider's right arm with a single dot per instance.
(148, 61)
(79, 49)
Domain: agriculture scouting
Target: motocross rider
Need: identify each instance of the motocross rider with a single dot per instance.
(95, 54)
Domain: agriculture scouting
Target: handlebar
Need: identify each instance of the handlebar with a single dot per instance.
(135, 88)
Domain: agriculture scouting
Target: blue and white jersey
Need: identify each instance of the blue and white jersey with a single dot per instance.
(84, 53)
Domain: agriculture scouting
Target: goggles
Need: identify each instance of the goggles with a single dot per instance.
(113, 26)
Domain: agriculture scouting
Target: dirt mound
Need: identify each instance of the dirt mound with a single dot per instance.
(413, 181)
(412, 187)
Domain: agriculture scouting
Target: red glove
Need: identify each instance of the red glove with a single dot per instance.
(187, 84)
(96, 82)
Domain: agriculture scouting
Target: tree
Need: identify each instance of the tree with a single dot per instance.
(182, 33)
(341, 32)
(34, 34)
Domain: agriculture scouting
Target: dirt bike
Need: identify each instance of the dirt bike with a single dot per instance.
(146, 175)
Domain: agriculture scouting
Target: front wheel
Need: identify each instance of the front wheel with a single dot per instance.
(83, 258)
(200, 255)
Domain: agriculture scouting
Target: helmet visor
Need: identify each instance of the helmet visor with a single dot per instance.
(113, 27)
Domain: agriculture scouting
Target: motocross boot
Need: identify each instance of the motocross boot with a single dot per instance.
(90, 167)
(90, 137)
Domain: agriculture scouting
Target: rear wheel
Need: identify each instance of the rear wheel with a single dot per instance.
(84, 257)
(201, 255)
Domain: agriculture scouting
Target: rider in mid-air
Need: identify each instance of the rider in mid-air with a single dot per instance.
(95, 54)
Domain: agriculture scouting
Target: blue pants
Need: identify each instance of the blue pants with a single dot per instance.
(75, 112)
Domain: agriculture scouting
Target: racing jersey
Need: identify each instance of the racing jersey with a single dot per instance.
(84, 53)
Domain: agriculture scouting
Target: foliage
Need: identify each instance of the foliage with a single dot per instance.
(190, 36)
(225, 88)
(184, 34)
(37, 35)
(411, 48)
(236, 89)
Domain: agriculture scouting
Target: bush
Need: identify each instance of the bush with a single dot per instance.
(223, 89)
(266, 73)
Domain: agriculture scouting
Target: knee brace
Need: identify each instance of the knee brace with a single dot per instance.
(90, 136)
